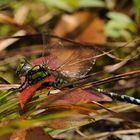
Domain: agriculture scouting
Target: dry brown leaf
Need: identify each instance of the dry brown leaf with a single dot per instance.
(68, 23)
(21, 14)
(5, 19)
(68, 122)
(5, 137)
(94, 33)
(7, 42)
(35, 133)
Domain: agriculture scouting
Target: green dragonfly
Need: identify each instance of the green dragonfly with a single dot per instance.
(63, 65)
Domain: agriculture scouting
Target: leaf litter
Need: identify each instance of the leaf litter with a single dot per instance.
(71, 103)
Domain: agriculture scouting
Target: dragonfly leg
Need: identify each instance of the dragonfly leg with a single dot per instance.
(48, 93)
(22, 85)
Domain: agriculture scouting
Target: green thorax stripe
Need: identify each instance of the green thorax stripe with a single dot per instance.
(36, 74)
(39, 74)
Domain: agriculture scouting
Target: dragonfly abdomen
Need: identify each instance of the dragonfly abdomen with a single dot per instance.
(54, 84)
(118, 97)
(125, 98)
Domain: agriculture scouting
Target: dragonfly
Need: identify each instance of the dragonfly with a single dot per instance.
(58, 70)
(55, 69)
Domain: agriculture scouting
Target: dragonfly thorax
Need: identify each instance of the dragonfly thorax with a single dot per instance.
(37, 73)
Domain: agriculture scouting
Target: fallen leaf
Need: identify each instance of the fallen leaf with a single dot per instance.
(34, 133)
(29, 91)
(69, 23)
(5, 137)
(94, 33)
(75, 96)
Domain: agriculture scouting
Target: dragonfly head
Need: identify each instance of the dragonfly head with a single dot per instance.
(23, 69)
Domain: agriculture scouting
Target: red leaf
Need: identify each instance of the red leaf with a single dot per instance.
(28, 92)
(76, 96)
(80, 96)
(52, 61)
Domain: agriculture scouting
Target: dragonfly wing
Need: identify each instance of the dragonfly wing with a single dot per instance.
(74, 61)
(80, 63)
(53, 61)
(71, 59)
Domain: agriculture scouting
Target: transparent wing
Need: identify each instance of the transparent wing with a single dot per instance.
(74, 61)
(80, 62)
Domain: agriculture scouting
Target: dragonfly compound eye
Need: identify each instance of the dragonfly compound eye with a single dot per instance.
(22, 69)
